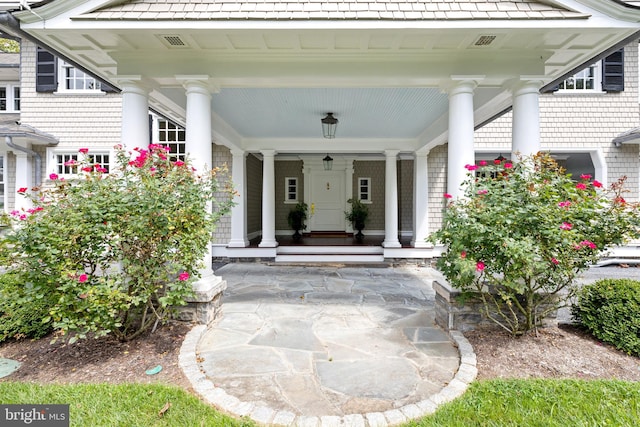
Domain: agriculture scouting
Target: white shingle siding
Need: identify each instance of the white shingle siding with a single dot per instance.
(76, 120)
(587, 120)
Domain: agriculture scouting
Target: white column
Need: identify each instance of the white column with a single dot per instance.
(526, 119)
(268, 200)
(348, 188)
(198, 146)
(239, 211)
(391, 200)
(420, 201)
(135, 113)
(461, 150)
(24, 172)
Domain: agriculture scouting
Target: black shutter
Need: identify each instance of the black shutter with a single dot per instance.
(46, 71)
(613, 72)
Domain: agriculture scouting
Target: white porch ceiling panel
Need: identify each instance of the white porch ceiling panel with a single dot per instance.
(362, 112)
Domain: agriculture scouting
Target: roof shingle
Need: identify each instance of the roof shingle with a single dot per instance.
(332, 9)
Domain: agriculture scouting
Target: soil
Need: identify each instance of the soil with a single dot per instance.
(558, 352)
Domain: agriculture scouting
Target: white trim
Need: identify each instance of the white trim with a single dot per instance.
(368, 201)
(3, 164)
(62, 81)
(53, 152)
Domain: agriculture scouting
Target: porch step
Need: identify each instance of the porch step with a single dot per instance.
(330, 254)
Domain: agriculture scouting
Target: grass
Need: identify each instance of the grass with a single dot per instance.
(130, 405)
(487, 403)
(541, 403)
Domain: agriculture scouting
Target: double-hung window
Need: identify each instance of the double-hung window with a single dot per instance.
(65, 164)
(291, 190)
(364, 190)
(172, 136)
(9, 98)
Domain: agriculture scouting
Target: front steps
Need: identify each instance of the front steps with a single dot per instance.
(329, 254)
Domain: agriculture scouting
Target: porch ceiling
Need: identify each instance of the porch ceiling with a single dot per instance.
(274, 80)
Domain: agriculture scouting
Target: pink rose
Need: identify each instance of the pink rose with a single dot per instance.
(581, 186)
(447, 196)
(53, 176)
(22, 190)
(565, 226)
(480, 266)
(83, 150)
(82, 278)
(508, 165)
(183, 276)
(597, 184)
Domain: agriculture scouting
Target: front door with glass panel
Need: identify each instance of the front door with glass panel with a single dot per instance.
(327, 197)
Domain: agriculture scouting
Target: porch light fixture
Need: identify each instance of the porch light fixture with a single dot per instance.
(501, 158)
(328, 163)
(329, 125)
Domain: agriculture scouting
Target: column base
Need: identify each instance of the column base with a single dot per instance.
(421, 244)
(205, 305)
(390, 244)
(268, 244)
(239, 243)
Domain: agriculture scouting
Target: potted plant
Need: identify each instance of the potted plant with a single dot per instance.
(357, 216)
(296, 219)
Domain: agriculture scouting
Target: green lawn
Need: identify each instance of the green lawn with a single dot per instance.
(487, 403)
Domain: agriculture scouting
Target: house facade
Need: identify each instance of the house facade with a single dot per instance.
(408, 82)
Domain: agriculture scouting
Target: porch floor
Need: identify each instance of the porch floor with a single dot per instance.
(327, 346)
(333, 240)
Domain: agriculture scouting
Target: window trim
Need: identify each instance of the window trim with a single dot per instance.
(10, 88)
(62, 67)
(597, 82)
(368, 192)
(53, 153)
(287, 193)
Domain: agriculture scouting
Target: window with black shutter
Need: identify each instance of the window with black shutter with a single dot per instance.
(613, 72)
(46, 71)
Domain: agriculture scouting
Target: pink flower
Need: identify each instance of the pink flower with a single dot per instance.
(82, 278)
(14, 213)
(463, 254)
(179, 163)
(86, 169)
(71, 162)
(581, 186)
(564, 204)
(471, 167)
(183, 276)
(22, 190)
(23, 217)
(555, 261)
(565, 226)
(480, 266)
(588, 244)
(497, 161)
(597, 184)
(508, 165)
(585, 176)
(118, 146)
(620, 200)
(83, 150)
(483, 163)
(447, 196)
(101, 169)
(53, 176)
(483, 191)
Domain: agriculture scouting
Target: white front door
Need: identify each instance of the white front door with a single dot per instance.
(328, 199)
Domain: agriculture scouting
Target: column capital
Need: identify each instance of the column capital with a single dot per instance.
(462, 84)
(525, 85)
(391, 153)
(237, 152)
(132, 84)
(268, 153)
(197, 82)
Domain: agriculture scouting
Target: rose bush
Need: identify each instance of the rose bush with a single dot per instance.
(525, 231)
(116, 252)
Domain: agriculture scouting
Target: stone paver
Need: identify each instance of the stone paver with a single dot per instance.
(327, 346)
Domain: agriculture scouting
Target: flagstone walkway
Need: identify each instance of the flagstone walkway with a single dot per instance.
(327, 346)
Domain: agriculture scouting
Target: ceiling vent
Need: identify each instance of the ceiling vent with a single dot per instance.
(173, 41)
(484, 40)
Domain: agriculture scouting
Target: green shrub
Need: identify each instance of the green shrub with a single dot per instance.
(20, 316)
(610, 310)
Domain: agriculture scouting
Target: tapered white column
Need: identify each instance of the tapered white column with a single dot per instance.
(198, 146)
(239, 211)
(268, 200)
(420, 201)
(135, 113)
(526, 119)
(391, 200)
(460, 149)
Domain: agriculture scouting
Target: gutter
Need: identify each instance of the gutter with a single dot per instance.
(8, 138)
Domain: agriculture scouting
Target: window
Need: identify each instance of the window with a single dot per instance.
(172, 136)
(2, 192)
(588, 79)
(291, 190)
(9, 98)
(364, 189)
(64, 162)
(76, 80)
